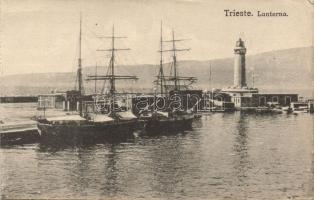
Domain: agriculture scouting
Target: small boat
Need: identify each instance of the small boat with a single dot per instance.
(299, 107)
(262, 110)
(300, 110)
(276, 110)
(268, 110)
(219, 109)
(18, 133)
(287, 109)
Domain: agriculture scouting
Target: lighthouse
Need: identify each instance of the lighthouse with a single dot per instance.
(240, 93)
(245, 97)
(239, 65)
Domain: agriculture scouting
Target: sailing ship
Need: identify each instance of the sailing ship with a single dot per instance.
(168, 119)
(84, 127)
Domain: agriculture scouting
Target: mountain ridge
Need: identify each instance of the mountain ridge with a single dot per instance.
(286, 70)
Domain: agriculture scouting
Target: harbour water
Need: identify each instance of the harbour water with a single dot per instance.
(224, 156)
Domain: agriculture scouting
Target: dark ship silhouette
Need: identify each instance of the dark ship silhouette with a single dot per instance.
(95, 126)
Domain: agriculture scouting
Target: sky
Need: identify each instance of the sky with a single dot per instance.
(39, 36)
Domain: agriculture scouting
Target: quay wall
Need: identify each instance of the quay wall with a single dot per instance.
(19, 99)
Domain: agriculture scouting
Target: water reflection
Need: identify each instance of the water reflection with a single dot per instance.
(235, 156)
(241, 161)
(110, 180)
(155, 133)
(60, 146)
(165, 159)
(197, 123)
(79, 171)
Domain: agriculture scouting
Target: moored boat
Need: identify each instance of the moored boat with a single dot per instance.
(299, 107)
(300, 110)
(91, 127)
(168, 119)
(74, 128)
(287, 109)
(162, 122)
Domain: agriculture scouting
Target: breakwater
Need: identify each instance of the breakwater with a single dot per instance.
(18, 99)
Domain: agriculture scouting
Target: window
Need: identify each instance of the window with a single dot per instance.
(275, 99)
(262, 101)
(288, 100)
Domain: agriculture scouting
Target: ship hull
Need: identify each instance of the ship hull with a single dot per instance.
(167, 125)
(85, 133)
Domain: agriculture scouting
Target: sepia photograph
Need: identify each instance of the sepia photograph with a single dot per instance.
(157, 99)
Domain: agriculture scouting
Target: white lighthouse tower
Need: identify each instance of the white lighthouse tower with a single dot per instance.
(239, 65)
(240, 93)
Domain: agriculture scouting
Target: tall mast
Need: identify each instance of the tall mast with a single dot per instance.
(253, 79)
(112, 83)
(210, 75)
(95, 86)
(175, 78)
(79, 70)
(95, 89)
(211, 87)
(174, 50)
(112, 80)
(111, 76)
(161, 71)
(174, 62)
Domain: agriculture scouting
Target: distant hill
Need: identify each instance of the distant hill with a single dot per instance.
(279, 71)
